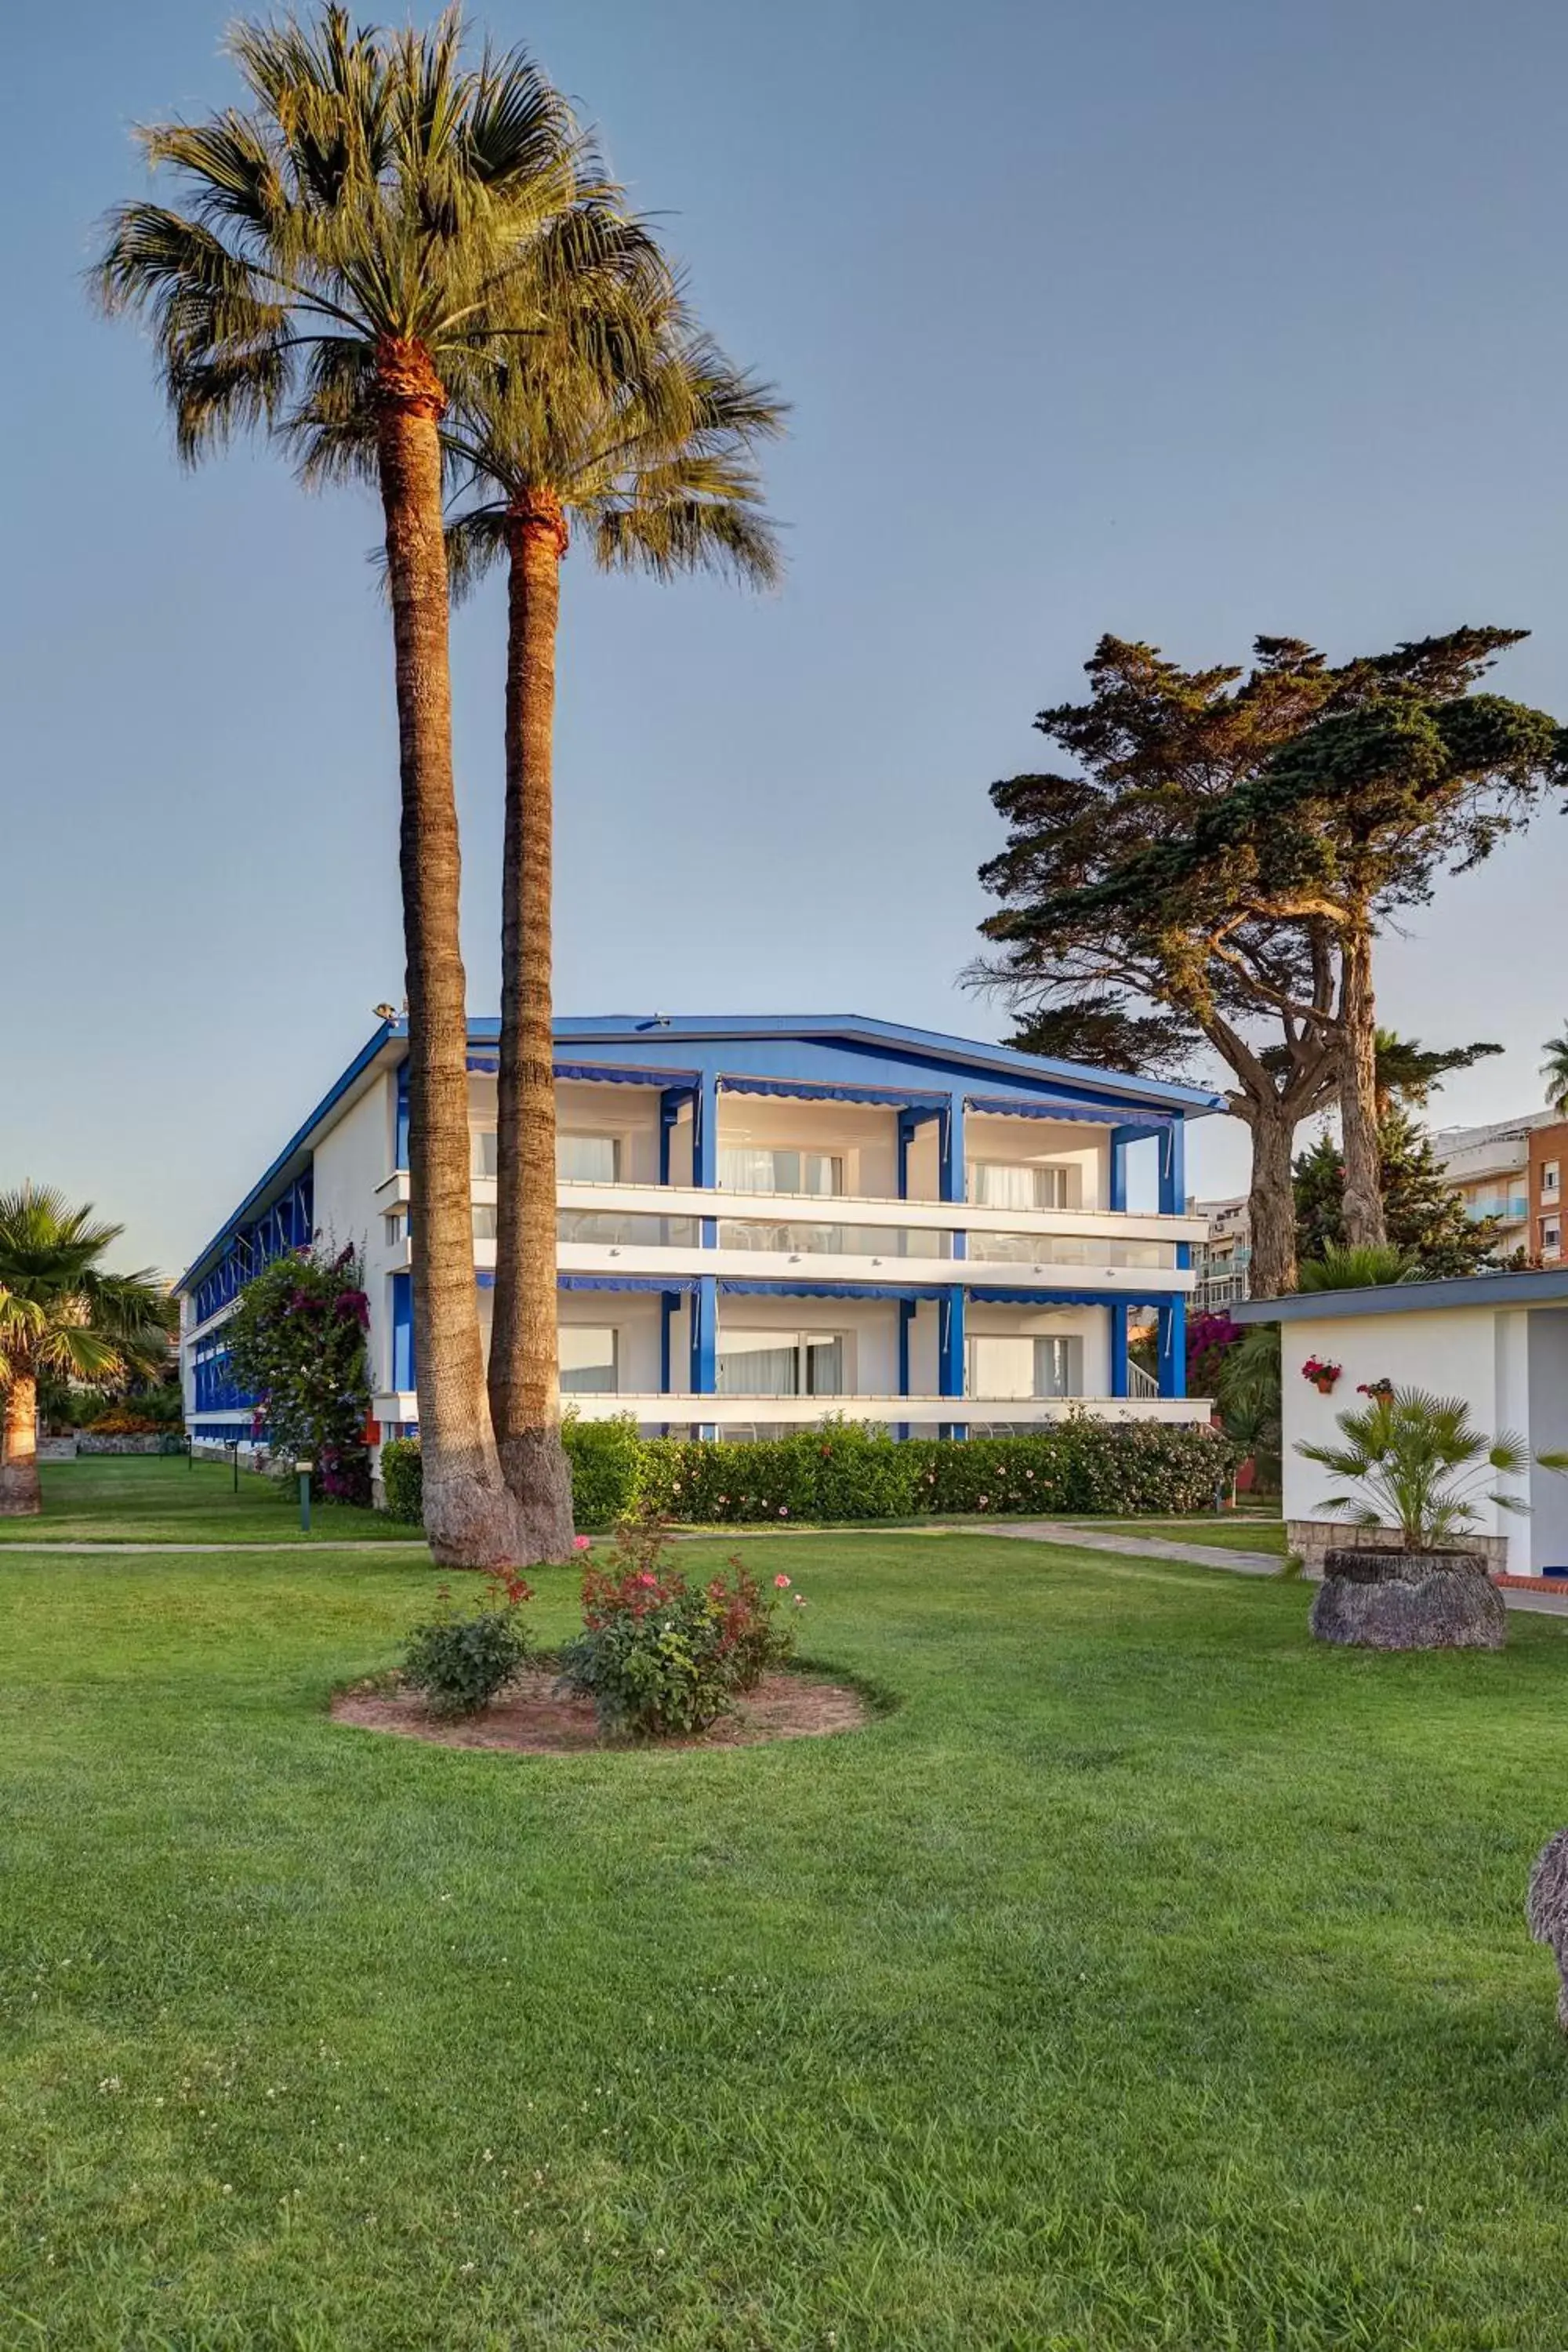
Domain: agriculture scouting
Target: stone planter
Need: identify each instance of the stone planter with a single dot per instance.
(1408, 1601)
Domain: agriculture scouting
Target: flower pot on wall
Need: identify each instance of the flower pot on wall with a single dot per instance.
(1408, 1601)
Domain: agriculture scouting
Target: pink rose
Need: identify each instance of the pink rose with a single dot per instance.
(781, 1583)
(581, 1543)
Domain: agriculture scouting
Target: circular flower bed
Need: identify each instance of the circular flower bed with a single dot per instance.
(532, 1717)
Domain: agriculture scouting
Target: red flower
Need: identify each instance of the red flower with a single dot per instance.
(781, 1583)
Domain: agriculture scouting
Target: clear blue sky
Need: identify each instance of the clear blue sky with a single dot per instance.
(1186, 321)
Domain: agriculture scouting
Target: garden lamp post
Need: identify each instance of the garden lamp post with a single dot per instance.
(303, 1470)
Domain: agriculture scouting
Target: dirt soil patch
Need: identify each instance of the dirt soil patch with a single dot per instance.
(530, 1719)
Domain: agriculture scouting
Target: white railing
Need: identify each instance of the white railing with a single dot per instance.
(1141, 1383)
(730, 1412)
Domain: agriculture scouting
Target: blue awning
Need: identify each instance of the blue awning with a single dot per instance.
(624, 1075)
(609, 1074)
(822, 1090)
(1069, 1297)
(674, 1283)
(1092, 1114)
(831, 1289)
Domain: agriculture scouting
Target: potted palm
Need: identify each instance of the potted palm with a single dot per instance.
(1416, 1465)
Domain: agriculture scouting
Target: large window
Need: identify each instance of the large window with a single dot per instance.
(1002, 1365)
(482, 1152)
(743, 1169)
(588, 1159)
(781, 1363)
(1020, 1184)
(589, 1361)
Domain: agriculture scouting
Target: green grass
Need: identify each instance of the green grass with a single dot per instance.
(1227, 1534)
(1147, 1977)
(163, 1498)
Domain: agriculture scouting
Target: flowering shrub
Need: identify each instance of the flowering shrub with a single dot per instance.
(296, 1341)
(843, 1471)
(461, 1658)
(659, 1657)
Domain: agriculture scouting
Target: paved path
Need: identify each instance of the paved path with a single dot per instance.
(1049, 1531)
(300, 1543)
(1056, 1531)
(1547, 1603)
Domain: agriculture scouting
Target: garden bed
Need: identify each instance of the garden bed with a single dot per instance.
(531, 1718)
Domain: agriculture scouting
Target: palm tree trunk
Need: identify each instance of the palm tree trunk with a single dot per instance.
(20, 1495)
(524, 1378)
(1363, 1218)
(469, 1515)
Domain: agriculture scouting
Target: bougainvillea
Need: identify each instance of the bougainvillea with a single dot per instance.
(295, 1340)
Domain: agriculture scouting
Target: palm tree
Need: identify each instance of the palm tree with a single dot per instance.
(624, 418)
(1554, 1070)
(652, 460)
(61, 1314)
(382, 220)
(1356, 1265)
(1421, 1465)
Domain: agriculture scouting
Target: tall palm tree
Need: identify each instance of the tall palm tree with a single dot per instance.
(61, 1313)
(384, 218)
(1554, 1070)
(652, 456)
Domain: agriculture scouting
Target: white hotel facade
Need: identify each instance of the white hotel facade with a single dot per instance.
(762, 1220)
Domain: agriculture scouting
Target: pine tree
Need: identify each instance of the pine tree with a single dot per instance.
(1422, 1214)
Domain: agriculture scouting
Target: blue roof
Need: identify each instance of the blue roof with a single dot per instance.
(857, 1038)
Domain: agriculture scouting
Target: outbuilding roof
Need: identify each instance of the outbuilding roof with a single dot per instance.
(1493, 1291)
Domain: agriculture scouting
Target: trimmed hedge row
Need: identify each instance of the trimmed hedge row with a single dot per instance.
(843, 1470)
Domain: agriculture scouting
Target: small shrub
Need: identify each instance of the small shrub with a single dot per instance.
(461, 1658)
(606, 1466)
(402, 1480)
(661, 1658)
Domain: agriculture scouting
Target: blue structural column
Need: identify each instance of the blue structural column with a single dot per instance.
(906, 1321)
(1118, 1314)
(1120, 1137)
(952, 1185)
(1173, 1315)
(402, 1374)
(400, 1159)
(705, 1297)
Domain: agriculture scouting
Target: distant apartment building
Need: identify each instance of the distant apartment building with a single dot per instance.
(1223, 1262)
(1511, 1171)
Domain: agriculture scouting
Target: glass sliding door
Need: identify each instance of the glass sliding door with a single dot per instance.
(743, 1168)
(588, 1159)
(589, 1361)
(781, 1363)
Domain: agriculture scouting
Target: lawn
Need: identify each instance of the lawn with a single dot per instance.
(165, 1498)
(1230, 1533)
(1145, 1977)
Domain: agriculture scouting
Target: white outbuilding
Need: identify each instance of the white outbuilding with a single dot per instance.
(1498, 1340)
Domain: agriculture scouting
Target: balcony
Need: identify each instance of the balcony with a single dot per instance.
(647, 1230)
(736, 1414)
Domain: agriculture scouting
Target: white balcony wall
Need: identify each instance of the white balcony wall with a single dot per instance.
(1082, 1149)
(864, 1136)
(1089, 1325)
(351, 1159)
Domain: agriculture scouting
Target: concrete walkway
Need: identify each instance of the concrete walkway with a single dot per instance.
(300, 1543)
(1545, 1603)
(1056, 1531)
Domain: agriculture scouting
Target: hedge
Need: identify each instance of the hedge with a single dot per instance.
(843, 1470)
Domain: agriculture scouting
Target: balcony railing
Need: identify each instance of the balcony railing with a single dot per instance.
(734, 1414)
